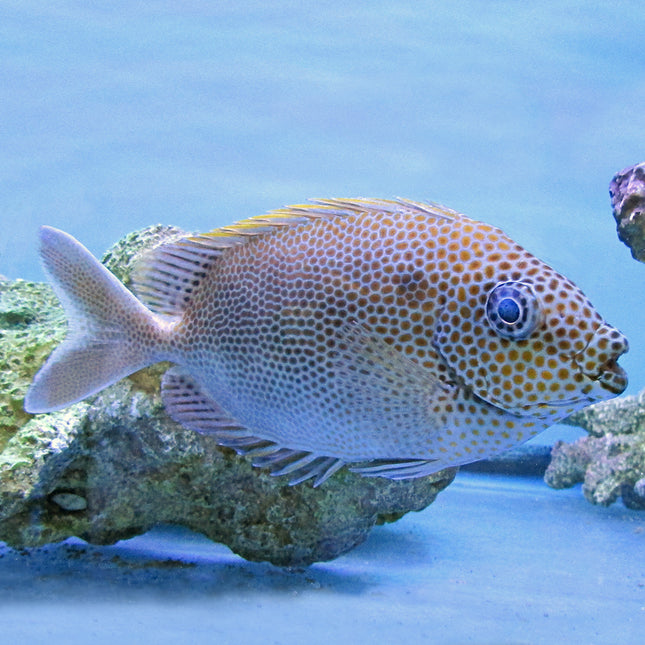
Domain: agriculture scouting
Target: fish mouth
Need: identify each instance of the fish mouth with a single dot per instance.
(611, 376)
(598, 362)
(608, 377)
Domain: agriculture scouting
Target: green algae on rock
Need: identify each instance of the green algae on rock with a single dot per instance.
(116, 465)
(31, 325)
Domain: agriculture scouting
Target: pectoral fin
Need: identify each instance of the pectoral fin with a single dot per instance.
(387, 385)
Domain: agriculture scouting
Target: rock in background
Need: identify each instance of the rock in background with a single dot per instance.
(116, 465)
(627, 192)
(610, 462)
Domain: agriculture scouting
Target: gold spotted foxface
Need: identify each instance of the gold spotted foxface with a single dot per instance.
(395, 336)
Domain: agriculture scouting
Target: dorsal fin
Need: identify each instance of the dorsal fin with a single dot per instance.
(297, 214)
(167, 275)
(353, 206)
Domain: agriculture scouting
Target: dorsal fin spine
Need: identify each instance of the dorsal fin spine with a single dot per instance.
(170, 273)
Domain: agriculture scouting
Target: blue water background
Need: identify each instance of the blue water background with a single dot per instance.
(118, 115)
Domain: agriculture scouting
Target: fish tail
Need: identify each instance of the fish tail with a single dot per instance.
(110, 333)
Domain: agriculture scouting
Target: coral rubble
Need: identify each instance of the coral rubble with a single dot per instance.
(610, 462)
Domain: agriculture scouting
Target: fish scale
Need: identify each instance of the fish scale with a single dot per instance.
(397, 337)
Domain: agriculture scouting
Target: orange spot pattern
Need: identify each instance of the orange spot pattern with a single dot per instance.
(284, 314)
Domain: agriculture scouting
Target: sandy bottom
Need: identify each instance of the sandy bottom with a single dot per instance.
(494, 560)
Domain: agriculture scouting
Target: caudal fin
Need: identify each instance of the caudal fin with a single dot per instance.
(107, 326)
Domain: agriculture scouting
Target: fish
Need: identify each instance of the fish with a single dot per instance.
(392, 337)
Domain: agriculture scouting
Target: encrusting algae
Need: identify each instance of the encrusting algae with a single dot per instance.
(399, 338)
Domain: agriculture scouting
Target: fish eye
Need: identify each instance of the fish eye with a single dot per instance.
(513, 310)
(508, 310)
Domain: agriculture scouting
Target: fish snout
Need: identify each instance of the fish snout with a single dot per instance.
(599, 360)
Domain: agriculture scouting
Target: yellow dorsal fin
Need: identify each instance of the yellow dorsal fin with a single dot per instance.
(167, 276)
(297, 214)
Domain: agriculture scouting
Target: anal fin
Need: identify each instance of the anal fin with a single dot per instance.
(187, 404)
(398, 468)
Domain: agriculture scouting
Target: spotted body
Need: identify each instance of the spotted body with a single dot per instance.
(397, 337)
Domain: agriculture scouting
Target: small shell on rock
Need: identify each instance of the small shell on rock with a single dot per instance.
(69, 501)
